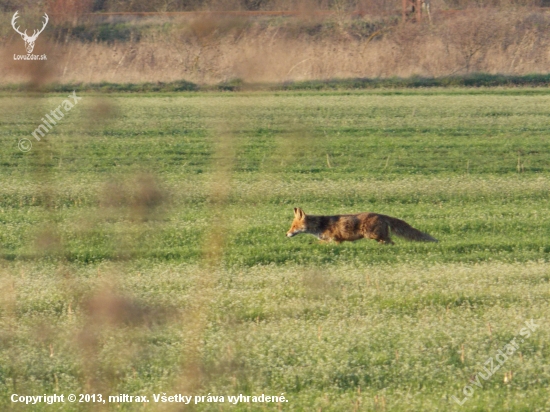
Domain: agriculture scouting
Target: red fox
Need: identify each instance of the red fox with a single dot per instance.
(340, 228)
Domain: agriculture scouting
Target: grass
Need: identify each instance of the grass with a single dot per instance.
(473, 80)
(126, 269)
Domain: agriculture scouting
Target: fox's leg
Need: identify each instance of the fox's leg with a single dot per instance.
(380, 238)
(381, 233)
(326, 240)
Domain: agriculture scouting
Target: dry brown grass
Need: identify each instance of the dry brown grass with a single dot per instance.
(209, 50)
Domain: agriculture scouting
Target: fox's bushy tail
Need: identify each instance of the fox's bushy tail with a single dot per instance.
(403, 229)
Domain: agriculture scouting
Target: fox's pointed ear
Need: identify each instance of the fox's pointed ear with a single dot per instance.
(299, 213)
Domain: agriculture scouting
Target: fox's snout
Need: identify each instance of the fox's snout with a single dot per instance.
(290, 234)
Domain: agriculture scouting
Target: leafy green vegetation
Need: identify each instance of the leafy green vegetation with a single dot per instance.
(103, 32)
(143, 248)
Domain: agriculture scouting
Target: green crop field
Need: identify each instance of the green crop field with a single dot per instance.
(143, 250)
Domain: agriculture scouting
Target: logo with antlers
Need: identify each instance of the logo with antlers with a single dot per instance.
(29, 40)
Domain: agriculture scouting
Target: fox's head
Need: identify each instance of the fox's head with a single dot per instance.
(298, 224)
